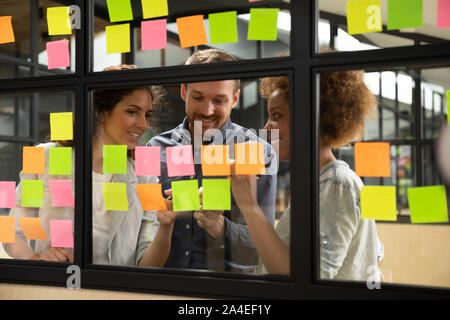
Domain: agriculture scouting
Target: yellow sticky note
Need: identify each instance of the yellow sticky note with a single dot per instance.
(7, 232)
(118, 38)
(58, 21)
(6, 30)
(61, 126)
(364, 16)
(379, 203)
(115, 196)
(154, 8)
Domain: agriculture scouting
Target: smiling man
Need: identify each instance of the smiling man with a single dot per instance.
(217, 240)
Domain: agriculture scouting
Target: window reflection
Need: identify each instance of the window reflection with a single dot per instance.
(168, 120)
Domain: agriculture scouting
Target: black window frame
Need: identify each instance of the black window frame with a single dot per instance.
(303, 66)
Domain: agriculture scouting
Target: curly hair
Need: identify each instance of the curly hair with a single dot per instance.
(270, 84)
(345, 102)
(104, 100)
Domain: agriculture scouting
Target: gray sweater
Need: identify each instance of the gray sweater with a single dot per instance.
(348, 244)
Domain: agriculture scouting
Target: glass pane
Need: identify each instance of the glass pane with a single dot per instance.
(37, 177)
(172, 53)
(434, 108)
(27, 55)
(215, 236)
(393, 91)
(368, 28)
(15, 115)
(377, 222)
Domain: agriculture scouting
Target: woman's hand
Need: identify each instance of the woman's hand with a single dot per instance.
(167, 217)
(244, 190)
(57, 255)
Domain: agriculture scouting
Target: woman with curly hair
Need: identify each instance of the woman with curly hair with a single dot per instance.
(348, 244)
(135, 237)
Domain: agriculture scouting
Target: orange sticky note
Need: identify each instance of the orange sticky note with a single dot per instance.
(6, 30)
(7, 232)
(192, 31)
(33, 160)
(150, 196)
(372, 159)
(216, 160)
(32, 228)
(249, 158)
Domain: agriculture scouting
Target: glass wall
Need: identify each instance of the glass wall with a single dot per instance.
(37, 176)
(383, 202)
(233, 17)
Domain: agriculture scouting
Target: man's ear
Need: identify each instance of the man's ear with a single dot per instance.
(236, 98)
(183, 92)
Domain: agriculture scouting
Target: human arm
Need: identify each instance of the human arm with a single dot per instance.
(157, 252)
(339, 221)
(273, 251)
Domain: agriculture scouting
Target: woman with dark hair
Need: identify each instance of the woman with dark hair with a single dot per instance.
(348, 244)
(129, 238)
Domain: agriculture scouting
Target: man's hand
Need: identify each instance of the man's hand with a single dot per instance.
(57, 255)
(212, 221)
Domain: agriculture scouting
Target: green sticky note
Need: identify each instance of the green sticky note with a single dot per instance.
(58, 21)
(223, 27)
(448, 107)
(115, 196)
(154, 8)
(216, 194)
(405, 14)
(118, 38)
(32, 193)
(60, 161)
(263, 24)
(379, 203)
(119, 10)
(428, 204)
(115, 159)
(185, 195)
(364, 16)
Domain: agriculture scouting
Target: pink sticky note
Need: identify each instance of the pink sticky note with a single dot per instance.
(254, 0)
(61, 233)
(7, 194)
(443, 15)
(61, 193)
(154, 34)
(58, 54)
(148, 161)
(180, 161)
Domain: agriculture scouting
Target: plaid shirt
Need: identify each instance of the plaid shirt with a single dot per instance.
(191, 246)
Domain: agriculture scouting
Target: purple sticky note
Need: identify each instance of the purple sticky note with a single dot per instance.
(61, 233)
(180, 161)
(148, 161)
(7, 194)
(443, 15)
(58, 54)
(154, 34)
(61, 193)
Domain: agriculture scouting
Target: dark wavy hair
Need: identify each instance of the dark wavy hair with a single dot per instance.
(345, 102)
(104, 101)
